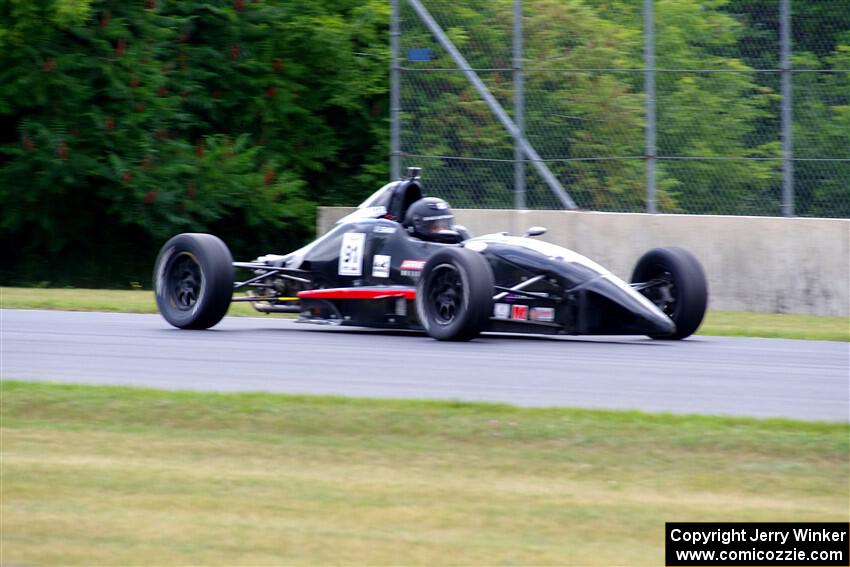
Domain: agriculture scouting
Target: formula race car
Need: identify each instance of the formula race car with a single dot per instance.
(399, 262)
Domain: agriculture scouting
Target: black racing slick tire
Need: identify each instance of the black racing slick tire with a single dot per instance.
(680, 289)
(193, 280)
(454, 298)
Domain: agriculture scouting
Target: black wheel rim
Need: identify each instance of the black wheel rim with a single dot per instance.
(185, 281)
(663, 293)
(445, 294)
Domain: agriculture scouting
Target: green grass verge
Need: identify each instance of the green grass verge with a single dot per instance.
(775, 325)
(105, 475)
(721, 323)
(72, 299)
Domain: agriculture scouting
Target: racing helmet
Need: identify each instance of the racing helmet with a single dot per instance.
(430, 218)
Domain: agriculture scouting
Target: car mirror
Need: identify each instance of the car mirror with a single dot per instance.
(535, 231)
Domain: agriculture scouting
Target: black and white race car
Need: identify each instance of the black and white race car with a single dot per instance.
(400, 262)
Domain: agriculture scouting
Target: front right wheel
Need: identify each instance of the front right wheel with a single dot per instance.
(454, 298)
(673, 279)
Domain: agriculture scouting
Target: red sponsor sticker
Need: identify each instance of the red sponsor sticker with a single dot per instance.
(519, 312)
(415, 265)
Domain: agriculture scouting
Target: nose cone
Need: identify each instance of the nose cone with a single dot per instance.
(659, 324)
(647, 318)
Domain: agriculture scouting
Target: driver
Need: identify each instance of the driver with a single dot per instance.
(431, 219)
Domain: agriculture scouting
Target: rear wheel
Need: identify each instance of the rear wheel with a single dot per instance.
(674, 280)
(455, 295)
(193, 280)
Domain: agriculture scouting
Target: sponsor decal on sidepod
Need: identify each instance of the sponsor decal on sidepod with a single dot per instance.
(546, 314)
(519, 312)
(412, 268)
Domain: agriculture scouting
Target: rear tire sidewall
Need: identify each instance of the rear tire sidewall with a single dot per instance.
(477, 285)
(691, 287)
(215, 266)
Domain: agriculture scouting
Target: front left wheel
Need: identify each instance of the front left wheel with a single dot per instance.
(193, 280)
(455, 294)
(673, 279)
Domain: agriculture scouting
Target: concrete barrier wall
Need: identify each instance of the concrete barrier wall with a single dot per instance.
(769, 264)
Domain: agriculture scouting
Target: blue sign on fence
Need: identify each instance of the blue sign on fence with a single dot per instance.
(419, 54)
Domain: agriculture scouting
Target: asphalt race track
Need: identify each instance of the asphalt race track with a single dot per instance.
(710, 375)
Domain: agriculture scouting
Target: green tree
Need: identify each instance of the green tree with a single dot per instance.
(126, 122)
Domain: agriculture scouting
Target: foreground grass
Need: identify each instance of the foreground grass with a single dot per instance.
(104, 475)
(719, 323)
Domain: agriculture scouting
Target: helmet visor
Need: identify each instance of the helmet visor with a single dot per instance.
(438, 222)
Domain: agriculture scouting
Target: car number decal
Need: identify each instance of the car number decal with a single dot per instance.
(351, 254)
(381, 266)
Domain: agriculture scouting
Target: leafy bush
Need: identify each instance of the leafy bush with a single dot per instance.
(125, 122)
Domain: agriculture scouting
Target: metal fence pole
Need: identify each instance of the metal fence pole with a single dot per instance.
(649, 88)
(785, 69)
(395, 95)
(519, 109)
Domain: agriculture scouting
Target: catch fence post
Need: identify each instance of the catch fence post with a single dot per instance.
(519, 110)
(785, 70)
(395, 96)
(649, 88)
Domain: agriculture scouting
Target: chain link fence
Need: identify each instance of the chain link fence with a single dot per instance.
(715, 145)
